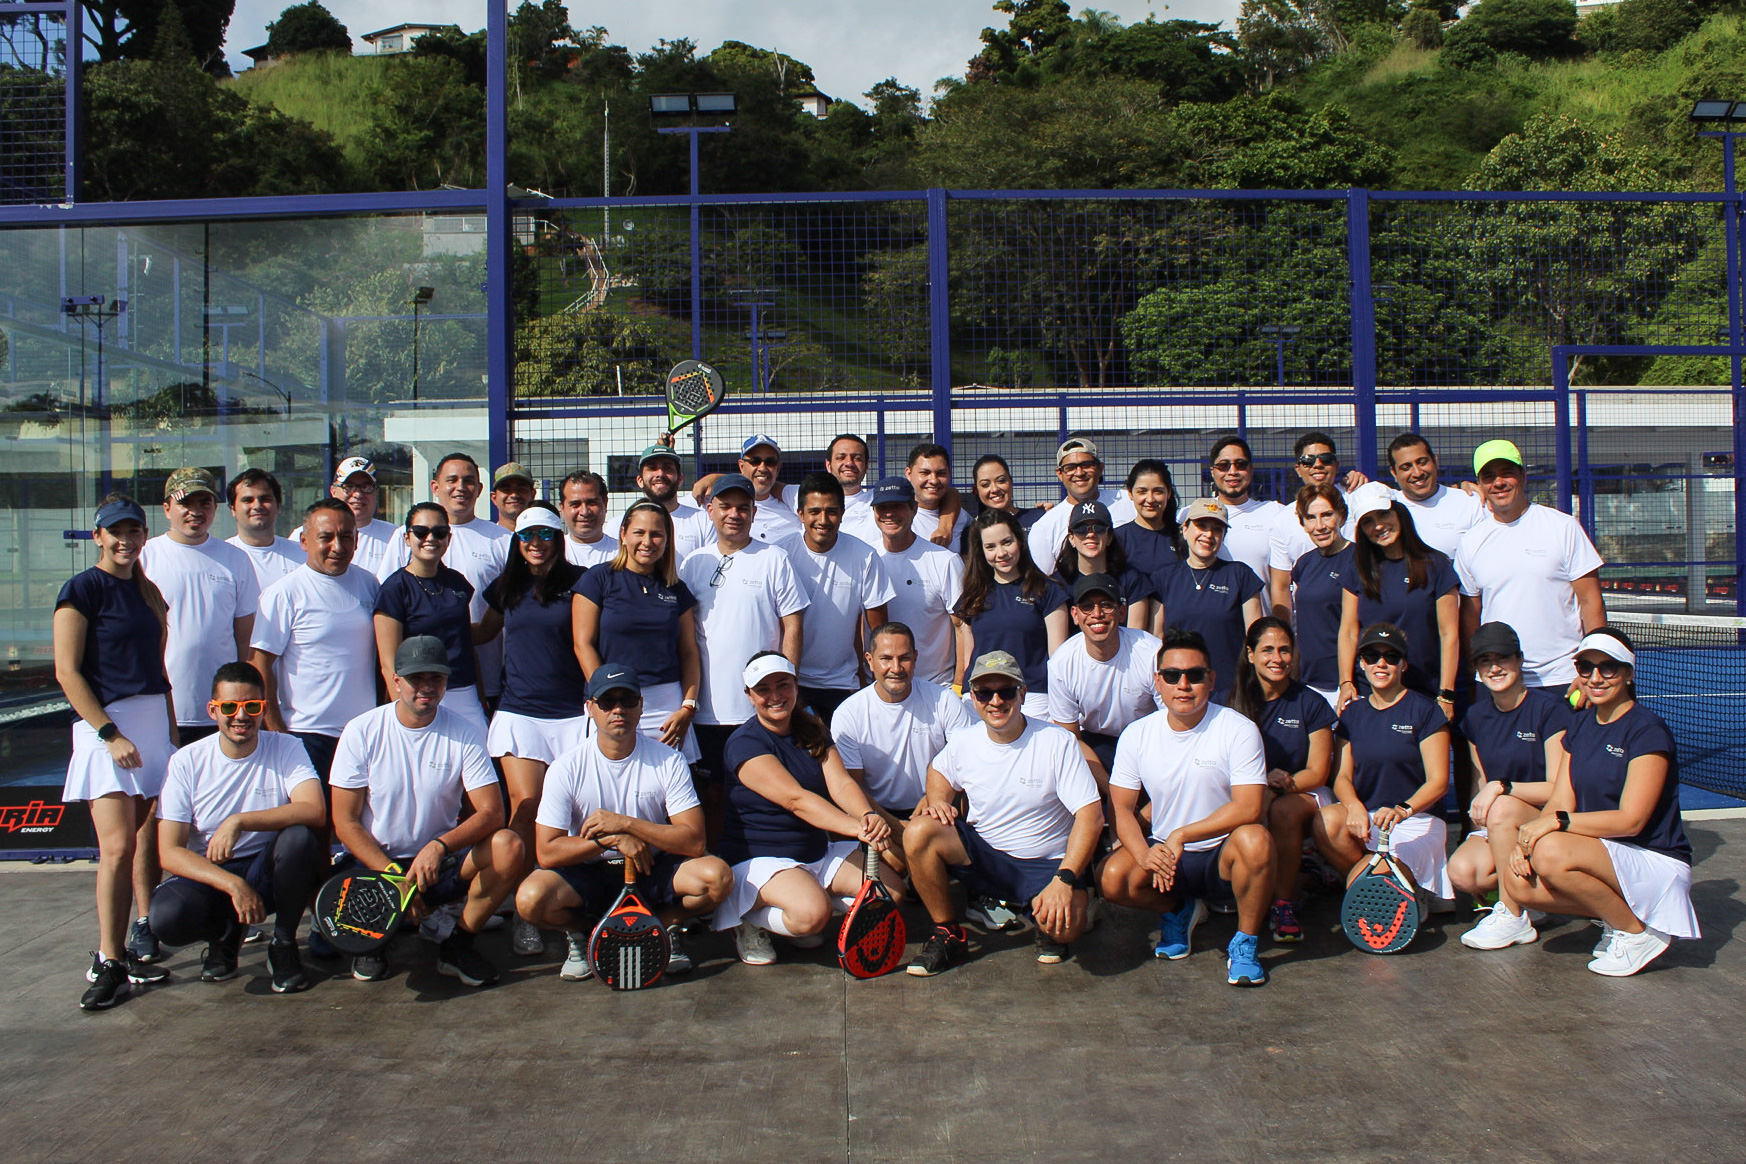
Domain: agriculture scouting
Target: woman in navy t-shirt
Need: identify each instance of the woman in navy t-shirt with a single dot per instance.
(992, 480)
(1400, 580)
(1153, 539)
(1318, 580)
(1393, 770)
(789, 803)
(1206, 593)
(1609, 844)
(1297, 734)
(634, 610)
(1007, 604)
(425, 597)
(1091, 547)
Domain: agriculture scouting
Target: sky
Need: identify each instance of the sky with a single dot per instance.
(850, 46)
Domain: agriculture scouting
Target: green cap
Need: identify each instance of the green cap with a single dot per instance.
(996, 663)
(191, 479)
(656, 453)
(1495, 451)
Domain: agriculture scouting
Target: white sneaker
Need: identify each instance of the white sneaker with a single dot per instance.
(439, 923)
(576, 967)
(1629, 953)
(753, 945)
(527, 940)
(1499, 930)
(1606, 940)
(992, 915)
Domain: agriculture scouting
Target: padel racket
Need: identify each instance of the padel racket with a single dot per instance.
(873, 935)
(694, 389)
(629, 948)
(1381, 910)
(359, 910)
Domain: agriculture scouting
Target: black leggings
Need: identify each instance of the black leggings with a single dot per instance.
(285, 874)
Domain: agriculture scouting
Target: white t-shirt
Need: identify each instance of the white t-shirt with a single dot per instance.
(207, 588)
(652, 784)
(1441, 519)
(692, 530)
(1189, 775)
(841, 586)
(773, 521)
(272, 562)
(321, 629)
(1050, 530)
(1104, 697)
(1022, 795)
(204, 787)
(586, 554)
(374, 541)
(893, 743)
(925, 582)
(1249, 539)
(478, 550)
(1521, 572)
(415, 776)
(739, 613)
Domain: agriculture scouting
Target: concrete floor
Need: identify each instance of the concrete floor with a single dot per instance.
(1519, 1055)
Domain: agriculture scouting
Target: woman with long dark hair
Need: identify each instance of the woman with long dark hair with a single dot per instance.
(1091, 547)
(992, 480)
(1153, 539)
(1007, 604)
(425, 597)
(1318, 580)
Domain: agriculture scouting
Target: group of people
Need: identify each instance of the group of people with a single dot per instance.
(1115, 697)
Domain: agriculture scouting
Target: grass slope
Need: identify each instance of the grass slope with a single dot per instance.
(329, 90)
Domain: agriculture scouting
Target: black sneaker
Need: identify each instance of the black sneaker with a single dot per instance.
(1050, 952)
(109, 983)
(370, 967)
(137, 971)
(286, 967)
(943, 949)
(142, 943)
(457, 958)
(219, 964)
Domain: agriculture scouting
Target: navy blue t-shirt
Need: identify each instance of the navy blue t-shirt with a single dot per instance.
(435, 606)
(1512, 744)
(1148, 550)
(1321, 590)
(124, 653)
(639, 620)
(752, 826)
(1288, 722)
(1026, 519)
(1012, 623)
(1413, 611)
(1600, 755)
(1210, 601)
(1387, 766)
(541, 676)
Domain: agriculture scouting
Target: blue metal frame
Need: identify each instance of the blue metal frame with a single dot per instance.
(939, 319)
(499, 236)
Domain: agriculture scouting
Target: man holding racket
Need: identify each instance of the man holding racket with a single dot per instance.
(659, 476)
(399, 775)
(619, 797)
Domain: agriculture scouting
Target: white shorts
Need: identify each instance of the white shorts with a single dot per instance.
(464, 702)
(1421, 841)
(1657, 887)
(145, 721)
(751, 876)
(659, 702)
(528, 737)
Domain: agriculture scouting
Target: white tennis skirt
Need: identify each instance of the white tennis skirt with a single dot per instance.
(751, 876)
(528, 737)
(1657, 888)
(1421, 841)
(464, 702)
(91, 773)
(659, 702)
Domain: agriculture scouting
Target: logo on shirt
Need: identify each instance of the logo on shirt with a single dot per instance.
(1615, 750)
(666, 596)
(1218, 587)
(1530, 737)
(1203, 762)
(1333, 574)
(1405, 729)
(1534, 551)
(1289, 723)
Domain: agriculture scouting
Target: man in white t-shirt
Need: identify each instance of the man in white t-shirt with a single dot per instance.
(1530, 567)
(315, 640)
(619, 797)
(1249, 532)
(748, 600)
(1204, 769)
(1317, 463)
(210, 589)
(660, 478)
(1100, 680)
(1079, 466)
(399, 777)
(1029, 830)
(925, 579)
(254, 498)
(847, 589)
(354, 482)
(512, 491)
(582, 504)
(939, 514)
(1440, 514)
(846, 459)
(238, 824)
(761, 463)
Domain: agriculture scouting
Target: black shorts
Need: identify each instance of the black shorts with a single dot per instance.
(321, 749)
(448, 888)
(598, 883)
(992, 873)
(1102, 746)
(712, 738)
(1197, 875)
(824, 701)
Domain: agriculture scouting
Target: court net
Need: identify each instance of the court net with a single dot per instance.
(1691, 670)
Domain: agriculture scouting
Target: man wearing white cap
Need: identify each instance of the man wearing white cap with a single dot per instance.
(760, 462)
(1080, 468)
(354, 482)
(582, 504)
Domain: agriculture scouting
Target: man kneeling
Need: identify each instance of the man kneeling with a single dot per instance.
(1204, 769)
(620, 790)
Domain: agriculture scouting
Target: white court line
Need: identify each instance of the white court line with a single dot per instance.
(1714, 813)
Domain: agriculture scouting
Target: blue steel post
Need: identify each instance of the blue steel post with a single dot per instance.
(1561, 423)
(75, 52)
(1363, 328)
(696, 258)
(939, 319)
(1731, 223)
(1584, 469)
(499, 234)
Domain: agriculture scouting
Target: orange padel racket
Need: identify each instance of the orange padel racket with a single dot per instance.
(629, 947)
(1381, 910)
(873, 935)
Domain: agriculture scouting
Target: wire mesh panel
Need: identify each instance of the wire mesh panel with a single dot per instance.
(33, 88)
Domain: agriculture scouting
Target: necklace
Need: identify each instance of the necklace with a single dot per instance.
(1197, 574)
(431, 586)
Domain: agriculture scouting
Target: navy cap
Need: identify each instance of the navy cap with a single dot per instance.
(612, 677)
(1089, 513)
(121, 509)
(729, 481)
(892, 489)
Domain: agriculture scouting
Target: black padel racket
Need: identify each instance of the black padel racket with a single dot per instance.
(629, 947)
(1381, 910)
(873, 935)
(694, 389)
(358, 910)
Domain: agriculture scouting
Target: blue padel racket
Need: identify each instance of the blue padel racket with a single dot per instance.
(873, 936)
(694, 390)
(359, 910)
(1381, 910)
(629, 948)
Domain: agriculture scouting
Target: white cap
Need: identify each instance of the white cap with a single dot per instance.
(1370, 497)
(354, 465)
(762, 668)
(1607, 645)
(535, 516)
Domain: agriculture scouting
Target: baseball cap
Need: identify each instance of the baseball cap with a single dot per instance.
(1077, 445)
(1383, 634)
(892, 489)
(996, 663)
(612, 677)
(1495, 638)
(757, 439)
(1370, 497)
(191, 479)
(1096, 584)
(512, 471)
(1089, 513)
(730, 481)
(1495, 451)
(119, 510)
(1204, 507)
(420, 655)
(344, 470)
(538, 515)
(656, 453)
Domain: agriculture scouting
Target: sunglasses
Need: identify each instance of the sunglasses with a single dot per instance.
(1372, 656)
(1174, 675)
(421, 532)
(762, 462)
(1077, 467)
(1006, 694)
(539, 533)
(1090, 530)
(1608, 670)
(613, 701)
(232, 706)
(1309, 459)
(1227, 466)
(1097, 606)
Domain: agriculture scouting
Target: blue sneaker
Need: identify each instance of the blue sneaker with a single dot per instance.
(1243, 966)
(1176, 929)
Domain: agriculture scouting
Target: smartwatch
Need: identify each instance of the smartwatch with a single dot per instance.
(1405, 807)
(690, 704)
(1068, 878)
(1447, 694)
(1563, 820)
(1506, 786)
(108, 731)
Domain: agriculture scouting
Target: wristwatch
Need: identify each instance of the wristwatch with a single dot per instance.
(688, 704)
(1446, 695)
(1068, 878)
(1563, 820)
(1406, 807)
(108, 731)
(1505, 787)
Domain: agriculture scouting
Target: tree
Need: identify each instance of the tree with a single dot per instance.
(1640, 25)
(1423, 27)
(428, 127)
(1533, 28)
(584, 354)
(307, 28)
(128, 29)
(1017, 54)
(1279, 39)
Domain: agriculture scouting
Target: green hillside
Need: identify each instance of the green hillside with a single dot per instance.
(332, 91)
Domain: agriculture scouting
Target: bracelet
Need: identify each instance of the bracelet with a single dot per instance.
(869, 812)
(447, 852)
(1348, 683)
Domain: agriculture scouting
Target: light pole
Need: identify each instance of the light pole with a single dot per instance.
(95, 309)
(694, 107)
(420, 298)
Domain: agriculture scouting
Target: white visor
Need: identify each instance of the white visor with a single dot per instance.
(759, 670)
(534, 516)
(1609, 646)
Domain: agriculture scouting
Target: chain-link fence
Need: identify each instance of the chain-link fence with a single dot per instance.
(33, 103)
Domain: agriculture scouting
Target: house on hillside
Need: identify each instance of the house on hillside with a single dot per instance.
(262, 56)
(388, 41)
(813, 102)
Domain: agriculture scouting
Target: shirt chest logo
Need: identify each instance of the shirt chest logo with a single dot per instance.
(1615, 751)
(1405, 729)
(1218, 587)
(1529, 737)
(666, 596)
(1289, 723)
